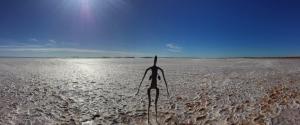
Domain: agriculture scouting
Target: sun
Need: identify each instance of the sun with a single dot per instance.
(91, 11)
(84, 8)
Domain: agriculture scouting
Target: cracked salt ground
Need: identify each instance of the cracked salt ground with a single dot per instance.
(101, 91)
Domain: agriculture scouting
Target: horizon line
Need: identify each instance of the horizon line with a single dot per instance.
(170, 57)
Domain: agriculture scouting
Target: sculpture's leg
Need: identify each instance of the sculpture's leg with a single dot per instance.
(149, 98)
(156, 98)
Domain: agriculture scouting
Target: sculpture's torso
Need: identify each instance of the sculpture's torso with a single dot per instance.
(154, 76)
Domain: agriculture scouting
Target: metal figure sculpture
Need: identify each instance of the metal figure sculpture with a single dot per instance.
(154, 76)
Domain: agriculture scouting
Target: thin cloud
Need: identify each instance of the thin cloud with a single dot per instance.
(21, 46)
(51, 42)
(73, 51)
(33, 40)
(173, 48)
(56, 48)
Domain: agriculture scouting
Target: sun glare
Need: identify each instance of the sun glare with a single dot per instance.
(85, 9)
(91, 11)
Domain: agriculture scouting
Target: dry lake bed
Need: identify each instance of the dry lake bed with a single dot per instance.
(102, 91)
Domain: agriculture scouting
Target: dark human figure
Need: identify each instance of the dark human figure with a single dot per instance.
(154, 76)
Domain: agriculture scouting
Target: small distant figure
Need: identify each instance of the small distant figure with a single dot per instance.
(154, 76)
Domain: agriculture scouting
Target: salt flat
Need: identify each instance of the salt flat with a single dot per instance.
(101, 91)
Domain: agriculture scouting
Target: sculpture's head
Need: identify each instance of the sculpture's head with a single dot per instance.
(155, 60)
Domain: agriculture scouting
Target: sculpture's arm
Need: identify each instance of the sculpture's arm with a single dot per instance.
(142, 81)
(162, 71)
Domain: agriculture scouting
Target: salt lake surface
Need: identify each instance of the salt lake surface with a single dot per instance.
(102, 91)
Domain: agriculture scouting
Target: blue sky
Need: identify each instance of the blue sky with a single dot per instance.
(191, 28)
